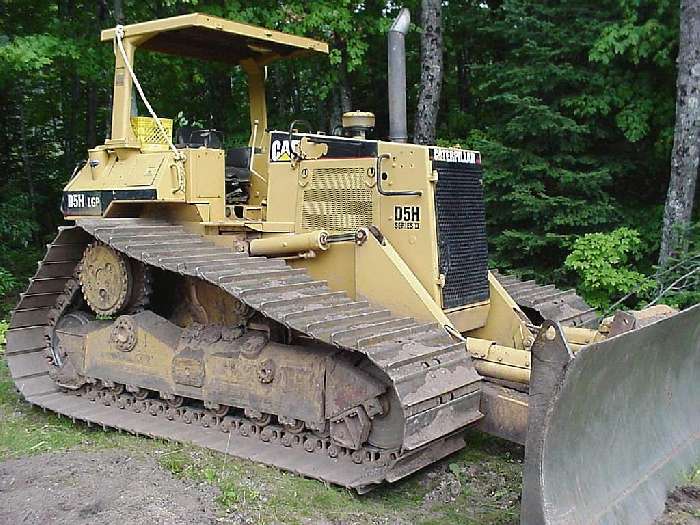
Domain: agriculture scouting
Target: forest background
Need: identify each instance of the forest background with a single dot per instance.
(571, 102)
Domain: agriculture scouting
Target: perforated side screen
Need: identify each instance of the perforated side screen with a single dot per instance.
(459, 201)
(337, 200)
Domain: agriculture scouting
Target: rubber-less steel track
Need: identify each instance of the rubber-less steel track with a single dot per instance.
(430, 372)
(563, 306)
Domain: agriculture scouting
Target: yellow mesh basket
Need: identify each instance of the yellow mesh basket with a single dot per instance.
(147, 132)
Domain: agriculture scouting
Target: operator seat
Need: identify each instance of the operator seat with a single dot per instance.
(189, 137)
(237, 173)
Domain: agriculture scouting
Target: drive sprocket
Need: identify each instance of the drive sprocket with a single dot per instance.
(106, 279)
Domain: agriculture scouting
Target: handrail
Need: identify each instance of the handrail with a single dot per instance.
(390, 193)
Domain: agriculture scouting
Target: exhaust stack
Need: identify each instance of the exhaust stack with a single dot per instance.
(398, 128)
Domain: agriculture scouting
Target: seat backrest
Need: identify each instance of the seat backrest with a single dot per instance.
(238, 157)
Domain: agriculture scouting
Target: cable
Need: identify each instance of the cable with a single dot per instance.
(179, 157)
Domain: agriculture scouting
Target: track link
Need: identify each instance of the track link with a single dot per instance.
(430, 372)
(548, 302)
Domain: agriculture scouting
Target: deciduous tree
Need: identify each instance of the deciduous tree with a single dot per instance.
(685, 158)
(431, 72)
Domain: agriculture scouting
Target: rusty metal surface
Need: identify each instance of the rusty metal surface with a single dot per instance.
(505, 412)
(563, 306)
(615, 428)
(432, 377)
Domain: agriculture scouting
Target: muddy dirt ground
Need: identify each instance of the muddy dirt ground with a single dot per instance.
(119, 487)
(106, 487)
(682, 507)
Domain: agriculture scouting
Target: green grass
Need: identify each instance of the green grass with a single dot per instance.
(26, 430)
(272, 496)
(3, 329)
(486, 478)
(480, 484)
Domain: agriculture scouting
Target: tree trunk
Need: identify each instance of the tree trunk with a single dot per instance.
(91, 137)
(431, 72)
(342, 95)
(93, 92)
(26, 156)
(71, 127)
(335, 112)
(463, 78)
(344, 89)
(685, 157)
(119, 12)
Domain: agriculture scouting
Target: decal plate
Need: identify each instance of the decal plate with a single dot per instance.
(90, 203)
(281, 149)
(82, 203)
(407, 217)
(460, 156)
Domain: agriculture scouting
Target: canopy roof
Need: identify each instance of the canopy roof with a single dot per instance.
(211, 38)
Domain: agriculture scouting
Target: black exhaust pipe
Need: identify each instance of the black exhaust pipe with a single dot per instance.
(398, 127)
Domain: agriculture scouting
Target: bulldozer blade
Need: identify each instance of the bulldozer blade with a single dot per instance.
(613, 428)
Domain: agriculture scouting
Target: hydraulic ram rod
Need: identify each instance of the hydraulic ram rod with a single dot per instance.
(513, 364)
(290, 244)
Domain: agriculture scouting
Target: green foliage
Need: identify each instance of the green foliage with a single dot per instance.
(679, 281)
(605, 265)
(4, 325)
(17, 223)
(572, 106)
(571, 103)
(7, 281)
(18, 255)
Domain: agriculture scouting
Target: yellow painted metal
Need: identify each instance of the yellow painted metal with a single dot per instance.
(290, 244)
(130, 168)
(505, 412)
(340, 257)
(358, 123)
(311, 150)
(258, 105)
(259, 43)
(155, 359)
(470, 317)
(492, 351)
(501, 371)
(152, 354)
(204, 183)
(231, 42)
(409, 168)
(506, 323)
(383, 277)
(581, 336)
(501, 362)
(331, 194)
(124, 168)
(122, 134)
(352, 119)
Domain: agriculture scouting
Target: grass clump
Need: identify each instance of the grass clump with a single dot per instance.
(480, 484)
(27, 430)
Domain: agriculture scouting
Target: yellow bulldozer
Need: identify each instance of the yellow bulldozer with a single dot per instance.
(322, 303)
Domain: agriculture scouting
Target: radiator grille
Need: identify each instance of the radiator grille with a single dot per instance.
(337, 199)
(459, 201)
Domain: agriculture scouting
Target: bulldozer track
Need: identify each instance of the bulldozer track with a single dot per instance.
(563, 306)
(430, 372)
